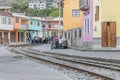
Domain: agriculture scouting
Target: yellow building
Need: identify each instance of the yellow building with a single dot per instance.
(97, 19)
(111, 12)
(110, 20)
(72, 22)
(72, 16)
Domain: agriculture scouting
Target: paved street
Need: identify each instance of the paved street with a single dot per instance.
(106, 55)
(24, 69)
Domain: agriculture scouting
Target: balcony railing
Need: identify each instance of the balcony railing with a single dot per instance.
(24, 25)
(84, 5)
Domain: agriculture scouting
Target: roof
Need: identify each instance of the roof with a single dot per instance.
(5, 13)
(21, 15)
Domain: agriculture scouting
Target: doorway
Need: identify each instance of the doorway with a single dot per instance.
(108, 34)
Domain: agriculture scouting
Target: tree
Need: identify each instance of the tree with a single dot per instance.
(54, 13)
(19, 6)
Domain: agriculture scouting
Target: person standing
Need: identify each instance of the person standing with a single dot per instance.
(29, 38)
(60, 42)
(52, 41)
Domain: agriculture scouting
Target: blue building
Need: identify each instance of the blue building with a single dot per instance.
(35, 27)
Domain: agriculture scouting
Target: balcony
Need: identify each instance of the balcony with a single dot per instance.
(84, 5)
(24, 26)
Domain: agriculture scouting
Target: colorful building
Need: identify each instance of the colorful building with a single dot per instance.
(72, 21)
(21, 25)
(91, 22)
(50, 27)
(72, 17)
(6, 26)
(110, 17)
(87, 31)
(35, 27)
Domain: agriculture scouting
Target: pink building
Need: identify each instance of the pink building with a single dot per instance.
(87, 31)
(50, 26)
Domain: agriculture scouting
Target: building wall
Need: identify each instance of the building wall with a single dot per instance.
(34, 25)
(97, 24)
(111, 12)
(6, 26)
(17, 25)
(69, 21)
(88, 14)
(20, 28)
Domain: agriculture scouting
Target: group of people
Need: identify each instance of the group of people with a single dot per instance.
(56, 42)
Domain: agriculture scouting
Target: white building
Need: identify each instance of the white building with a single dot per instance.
(37, 5)
(6, 26)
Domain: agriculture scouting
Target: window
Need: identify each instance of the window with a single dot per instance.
(76, 13)
(65, 34)
(75, 34)
(80, 33)
(17, 19)
(95, 28)
(49, 26)
(68, 35)
(87, 26)
(31, 23)
(43, 26)
(97, 13)
(4, 20)
(38, 24)
(9, 21)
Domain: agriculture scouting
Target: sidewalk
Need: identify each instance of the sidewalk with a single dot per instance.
(24, 69)
(96, 48)
(93, 54)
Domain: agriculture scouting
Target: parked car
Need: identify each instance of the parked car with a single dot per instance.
(64, 43)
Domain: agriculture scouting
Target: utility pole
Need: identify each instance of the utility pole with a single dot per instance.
(59, 28)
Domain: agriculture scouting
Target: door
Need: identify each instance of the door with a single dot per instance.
(113, 34)
(109, 34)
(22, 36)
(12, 37)
(104, 35)
(5, 37)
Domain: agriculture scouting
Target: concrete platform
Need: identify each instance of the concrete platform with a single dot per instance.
(113, 54)
(18, 44)
(24, 69)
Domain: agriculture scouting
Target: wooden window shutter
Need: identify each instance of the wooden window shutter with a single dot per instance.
(97, 13)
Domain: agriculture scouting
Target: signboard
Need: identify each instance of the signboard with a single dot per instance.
(24, 26)
(58, 27)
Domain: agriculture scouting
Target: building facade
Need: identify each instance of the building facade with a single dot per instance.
(50, 27)
(6, 26)
(97, 22)
(37, 4)
(87, 31)
(35, 27)
(110, 17)
(21, 25)
(72, 18)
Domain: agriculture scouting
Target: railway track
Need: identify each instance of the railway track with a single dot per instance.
(68, 62)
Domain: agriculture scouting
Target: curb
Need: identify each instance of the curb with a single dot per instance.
(92, 50)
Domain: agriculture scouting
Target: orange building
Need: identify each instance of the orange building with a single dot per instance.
(72, 22)
(72, 16)
(21, 24)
